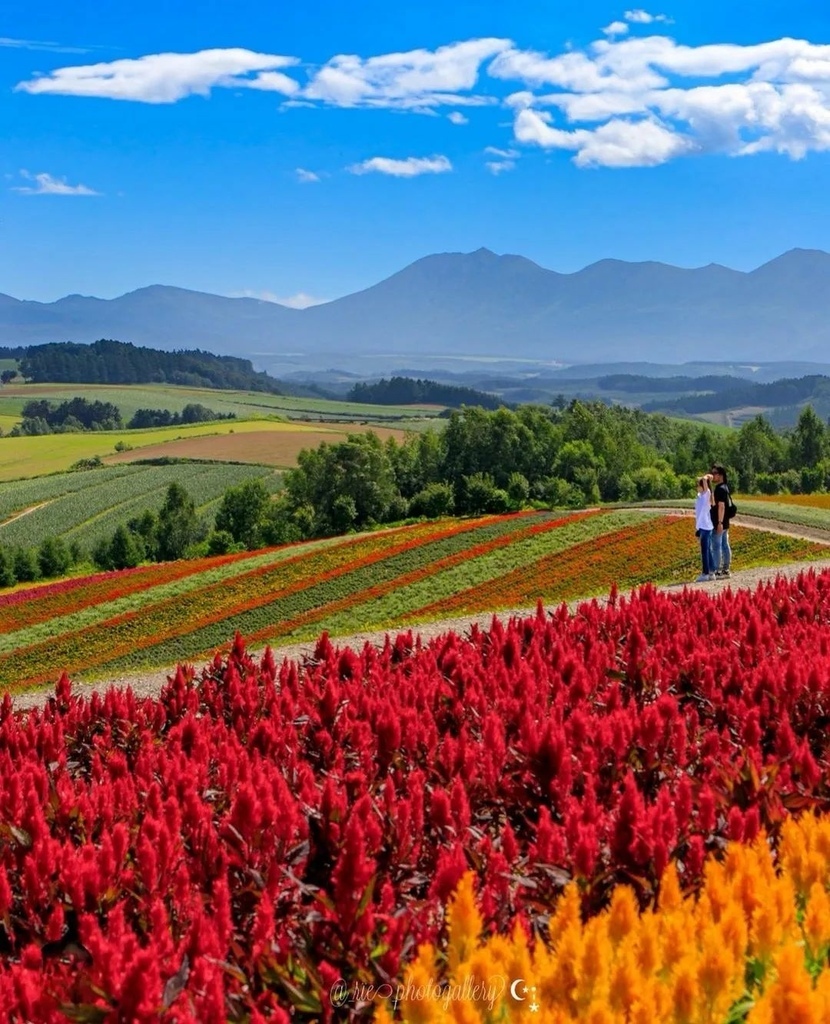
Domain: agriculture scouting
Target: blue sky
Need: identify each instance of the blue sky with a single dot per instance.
(291, 151)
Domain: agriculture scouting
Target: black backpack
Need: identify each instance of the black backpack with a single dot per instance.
(731, 508)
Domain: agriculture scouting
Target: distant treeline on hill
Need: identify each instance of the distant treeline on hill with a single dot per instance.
(117, 362)
(786, 392)
(43, 417)
(408, 391)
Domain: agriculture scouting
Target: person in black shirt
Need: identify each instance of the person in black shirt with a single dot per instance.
(721, 551)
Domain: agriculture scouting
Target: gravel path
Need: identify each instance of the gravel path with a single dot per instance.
(148, 683)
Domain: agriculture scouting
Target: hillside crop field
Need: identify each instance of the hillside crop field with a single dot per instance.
(53, 453)
(153, 616)
(89, 505)
(245, 404)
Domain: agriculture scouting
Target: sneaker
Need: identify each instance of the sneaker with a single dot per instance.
(710, 577)
(723, 574)
(703, 578)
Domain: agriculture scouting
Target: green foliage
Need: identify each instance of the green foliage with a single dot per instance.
(220, 542)
(26, 568)
(53, 558)
(192, 413)
(178, 524)
(242, 511)
(435, 500)
(116, 362)
(407, 391)
(125, 550)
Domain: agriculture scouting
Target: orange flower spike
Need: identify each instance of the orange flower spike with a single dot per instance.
(600, 1013)
(626, 981)
(735, 931)
(792, 855)
(567, 913)
(677, 939)
(720, 975)
(716, 888)
(464, 922)
(685, 994)
(671, 896)
(648, 944)
(415, 1005)
(651, 1005)
(622, 914)
(766, 933)
(789, 999)
(597, 956)
(817, 919)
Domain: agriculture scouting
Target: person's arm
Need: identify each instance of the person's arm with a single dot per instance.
(720, 518)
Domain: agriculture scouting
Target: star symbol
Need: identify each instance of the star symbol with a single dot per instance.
(534, 1007)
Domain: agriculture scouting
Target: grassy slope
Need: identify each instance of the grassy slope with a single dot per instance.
(104, 627)
(129, 398)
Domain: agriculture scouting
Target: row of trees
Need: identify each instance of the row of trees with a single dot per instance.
(52, 559)
(79, 414)
(117, 362)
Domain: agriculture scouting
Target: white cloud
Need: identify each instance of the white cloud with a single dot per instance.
(46, 185)
(616, 28)
(641, 17)
(417, 79)
(644, 101)
(504, 154)
(456, 117)
(306, 176)
(302, 300)
(409, 168)
(168, 77)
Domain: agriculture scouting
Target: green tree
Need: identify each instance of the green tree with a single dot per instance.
(178, 524)
(437, 499)
(808, 440)
(7, 576)
(53, 557)
(242, 512)
(7, 376)
(26, 568)
(125, 549)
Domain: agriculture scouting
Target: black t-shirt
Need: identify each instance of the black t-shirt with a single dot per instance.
(721, 494)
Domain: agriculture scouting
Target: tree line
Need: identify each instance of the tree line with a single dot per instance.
(117, 362)
(408, 391)
(79, 414)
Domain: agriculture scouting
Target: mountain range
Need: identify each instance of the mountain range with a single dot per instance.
(479, 304)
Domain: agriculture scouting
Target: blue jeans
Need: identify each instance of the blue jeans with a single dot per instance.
(706, 552)
(721, 553)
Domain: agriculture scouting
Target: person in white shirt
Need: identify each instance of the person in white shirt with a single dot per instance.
(703, 522)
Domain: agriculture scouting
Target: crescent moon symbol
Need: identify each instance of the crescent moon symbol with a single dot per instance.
(513, 992)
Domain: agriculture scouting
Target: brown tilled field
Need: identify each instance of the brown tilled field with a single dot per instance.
(265, 447)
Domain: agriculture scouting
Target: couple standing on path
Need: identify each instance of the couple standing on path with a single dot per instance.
(712, 515)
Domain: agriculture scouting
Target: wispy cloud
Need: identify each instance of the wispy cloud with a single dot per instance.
(307, 177)
(168, 77)
(505, 159)
(36, 44)
(411, 167)
(46, 185)
(456, 117)
(641, 17)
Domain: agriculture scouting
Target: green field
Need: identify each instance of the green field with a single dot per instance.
(245, 404)
(86, 506)
(105, 625)
(54, 453)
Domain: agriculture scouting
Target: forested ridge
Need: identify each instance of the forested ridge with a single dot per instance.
(118, 362)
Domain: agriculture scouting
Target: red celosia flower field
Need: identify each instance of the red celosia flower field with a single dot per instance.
(231, 849)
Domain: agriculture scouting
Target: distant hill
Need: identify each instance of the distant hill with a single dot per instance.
(409, 391)
(481, 304)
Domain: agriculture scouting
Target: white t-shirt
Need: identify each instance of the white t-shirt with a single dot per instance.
(703, 516)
